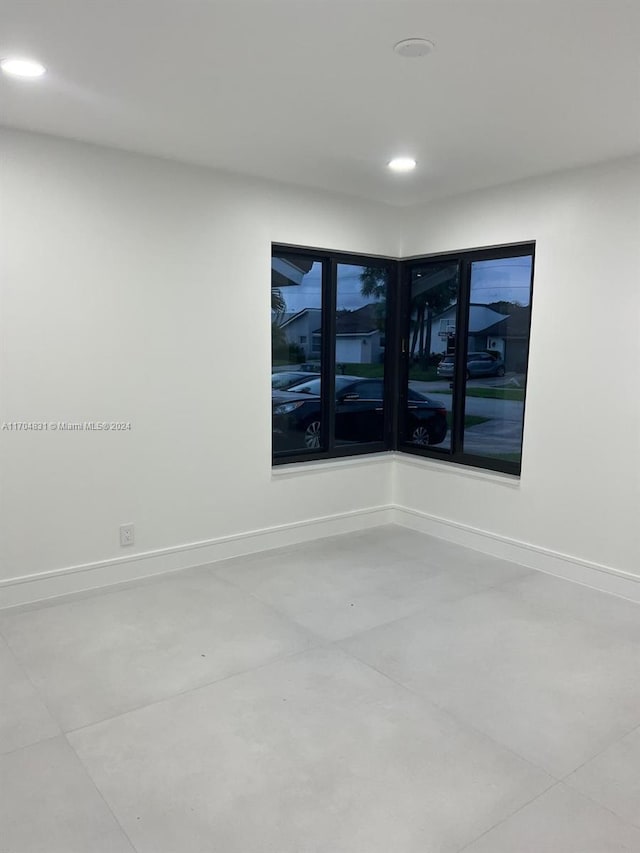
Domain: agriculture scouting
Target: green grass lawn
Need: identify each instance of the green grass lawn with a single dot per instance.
(490, 393)
(422, 374)
(367, 371)
(376, 371)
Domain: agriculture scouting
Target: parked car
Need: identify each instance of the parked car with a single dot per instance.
(478, 364)
(283, 381)
(359, 415)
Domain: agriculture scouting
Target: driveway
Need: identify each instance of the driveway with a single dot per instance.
(501, 433)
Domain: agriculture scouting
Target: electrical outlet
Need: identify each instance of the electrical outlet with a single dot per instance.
(127, 535)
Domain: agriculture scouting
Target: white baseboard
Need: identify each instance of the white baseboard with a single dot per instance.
(105, 573)
(594, 575)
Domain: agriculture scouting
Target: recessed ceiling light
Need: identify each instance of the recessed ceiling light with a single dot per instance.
(26, 68)
(414, 48)
(402, 164)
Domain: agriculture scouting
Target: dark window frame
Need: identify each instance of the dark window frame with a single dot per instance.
(396, 362)
(331, 260)
(465, 259)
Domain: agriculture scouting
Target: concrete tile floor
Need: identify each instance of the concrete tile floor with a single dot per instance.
(381, 692)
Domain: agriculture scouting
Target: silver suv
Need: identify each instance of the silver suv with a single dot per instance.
(478, 364)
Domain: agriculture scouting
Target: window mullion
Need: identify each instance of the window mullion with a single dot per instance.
(328, 403)
(392, 367)
(460, 378)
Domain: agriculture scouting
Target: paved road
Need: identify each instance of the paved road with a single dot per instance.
(502, 433)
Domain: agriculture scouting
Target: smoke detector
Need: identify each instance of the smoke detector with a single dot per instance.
(414, 48)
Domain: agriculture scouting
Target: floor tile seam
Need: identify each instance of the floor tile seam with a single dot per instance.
(574, 787)
(164, 699)
(535, 606)
(542, 609)
(465, 724)
(27, 675)
(498, 823)
(112, 589)
(280, 613)
(292, 548)
(135, 583)
(30, 745)
(100, 793)
(596, 802)
(87, 594)
(461, 720)
(422, 609)
(370, 564)
(571, 583)
(298, 624)
(600, 752)
(433, 571)
(315, 641)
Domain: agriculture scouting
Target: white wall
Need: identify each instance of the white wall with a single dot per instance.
(579, 492)
(125, 281)
(130, 290)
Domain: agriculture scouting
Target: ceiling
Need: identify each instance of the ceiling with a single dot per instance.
(310, 91)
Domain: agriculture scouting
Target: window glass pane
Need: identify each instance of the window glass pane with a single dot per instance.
(361, 313)
(431, 343)
(497, 346)
(296, 347)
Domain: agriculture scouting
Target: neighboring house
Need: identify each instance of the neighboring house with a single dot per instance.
(303, 329)
(481, 317)
(510, 337)
(287, 271)
(358, 338)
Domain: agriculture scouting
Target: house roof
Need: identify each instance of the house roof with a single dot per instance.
(287, 270)
(512, 327)
(480, 316)
(362, 321)
(289, 318)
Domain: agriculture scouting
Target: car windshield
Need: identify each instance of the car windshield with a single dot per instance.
(281, 380)
(447, 360)
(342, 382)
(416, 397)
(312, 387)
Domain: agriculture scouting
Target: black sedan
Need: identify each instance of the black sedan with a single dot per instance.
(287, 378)
(359, 415)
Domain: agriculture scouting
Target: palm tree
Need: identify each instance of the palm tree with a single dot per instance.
(374, 283)
(440, 294)
(278, 304)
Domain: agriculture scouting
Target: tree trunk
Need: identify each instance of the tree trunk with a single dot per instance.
(429, 330)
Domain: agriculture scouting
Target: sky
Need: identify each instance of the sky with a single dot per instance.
(506, 278)
(307, 295)
(491, 281)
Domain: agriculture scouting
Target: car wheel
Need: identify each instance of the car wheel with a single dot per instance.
(420, 435)
(312, 436)
(500, 371)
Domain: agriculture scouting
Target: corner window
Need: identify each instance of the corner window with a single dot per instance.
(329, 396)
(466, 341)
(426, 356)
(433, 293)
